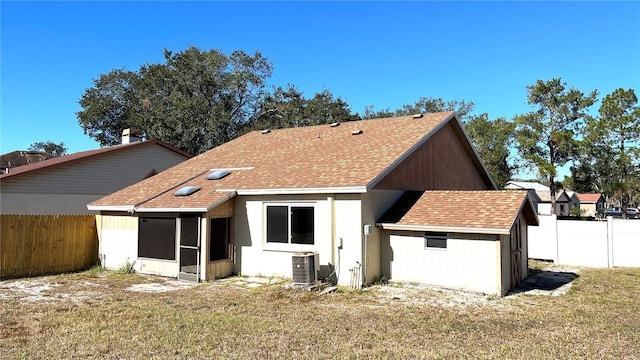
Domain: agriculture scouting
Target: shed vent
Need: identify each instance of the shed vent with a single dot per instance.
(186, 191)
(218, 174)
(356, 132)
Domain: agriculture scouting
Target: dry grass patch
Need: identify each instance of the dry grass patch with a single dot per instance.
(93, 315)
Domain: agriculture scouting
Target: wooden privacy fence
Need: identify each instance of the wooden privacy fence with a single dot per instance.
(46, 244)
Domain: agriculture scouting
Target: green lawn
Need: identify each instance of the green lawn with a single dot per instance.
(92, 315)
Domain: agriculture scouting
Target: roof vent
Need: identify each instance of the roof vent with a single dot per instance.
(266, 131)
(218, 174)
(356, 132)
(187, 190)
(335, 124)
(418, 116)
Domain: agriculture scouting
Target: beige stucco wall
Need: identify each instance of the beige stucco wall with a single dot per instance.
(470, 262)
(118, 240)
(374, 204)
(118, 244)
(253, 256)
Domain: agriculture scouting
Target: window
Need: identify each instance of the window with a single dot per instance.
(435, 240)
(157, 238)
(292, 224)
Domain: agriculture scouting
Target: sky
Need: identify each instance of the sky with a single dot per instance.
(384, 54)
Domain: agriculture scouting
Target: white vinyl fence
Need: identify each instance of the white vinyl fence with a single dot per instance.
(614, 242)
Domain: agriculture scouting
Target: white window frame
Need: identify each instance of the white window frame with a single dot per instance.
(436, 235)
(289, 246)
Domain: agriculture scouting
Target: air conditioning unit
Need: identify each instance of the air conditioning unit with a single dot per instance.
(305, 268)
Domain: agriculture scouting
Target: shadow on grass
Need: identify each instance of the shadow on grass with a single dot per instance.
(545, 280)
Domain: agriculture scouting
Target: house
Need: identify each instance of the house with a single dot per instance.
(250, 205)
(542, 198)
(591, 203)
(65, 184)
(574, 200)
(20, 158)
(482, 248)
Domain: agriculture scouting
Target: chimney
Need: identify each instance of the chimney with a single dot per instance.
(131, 135)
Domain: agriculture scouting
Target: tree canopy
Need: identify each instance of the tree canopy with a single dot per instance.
(546, 137)
(493, 139)
(612, 147)
(287, 107)
(49, 147)
(423, 105)
(195, 100)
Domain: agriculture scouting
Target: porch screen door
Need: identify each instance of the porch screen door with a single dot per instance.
(189, 248)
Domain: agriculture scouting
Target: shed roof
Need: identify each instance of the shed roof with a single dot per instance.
(351, 157)
(482, 211)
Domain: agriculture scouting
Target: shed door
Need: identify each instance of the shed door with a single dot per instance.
(516, 255)
(189, 248)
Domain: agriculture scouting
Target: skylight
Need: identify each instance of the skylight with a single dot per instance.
(186, 191)
(218, 174)
(356, 132)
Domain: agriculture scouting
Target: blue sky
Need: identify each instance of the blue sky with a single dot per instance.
(385, 54)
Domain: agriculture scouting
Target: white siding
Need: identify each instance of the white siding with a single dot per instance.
(97, 176)
(470, 262)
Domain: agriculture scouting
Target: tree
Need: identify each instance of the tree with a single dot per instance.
(614, 139)
(49, 147)
(492, 140)
(196, 100)
(546, 137)
(582, 179)
(287, 107)
(423, 105)
(108, 106)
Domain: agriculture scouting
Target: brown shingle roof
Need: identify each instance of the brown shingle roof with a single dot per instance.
(313, 157)
(20, 158)
(81, 156)
(489, 209)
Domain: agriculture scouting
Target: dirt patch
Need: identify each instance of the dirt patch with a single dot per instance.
(162, 286)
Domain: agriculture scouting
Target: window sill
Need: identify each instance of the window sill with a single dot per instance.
(289, 248)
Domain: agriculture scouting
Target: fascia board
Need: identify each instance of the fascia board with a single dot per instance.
(453, 229)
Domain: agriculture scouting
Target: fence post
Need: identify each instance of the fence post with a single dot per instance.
(556, 239)
(610, 241)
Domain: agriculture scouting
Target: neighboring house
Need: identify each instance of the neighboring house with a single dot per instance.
(65, 184)
(483, 248)
(574, 200)
(591, 203)
(251, 204)
(542, 200)
(20, 158)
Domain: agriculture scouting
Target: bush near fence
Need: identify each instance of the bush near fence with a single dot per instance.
(33, 245)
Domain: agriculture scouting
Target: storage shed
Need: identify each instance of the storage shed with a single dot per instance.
(467, 240)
